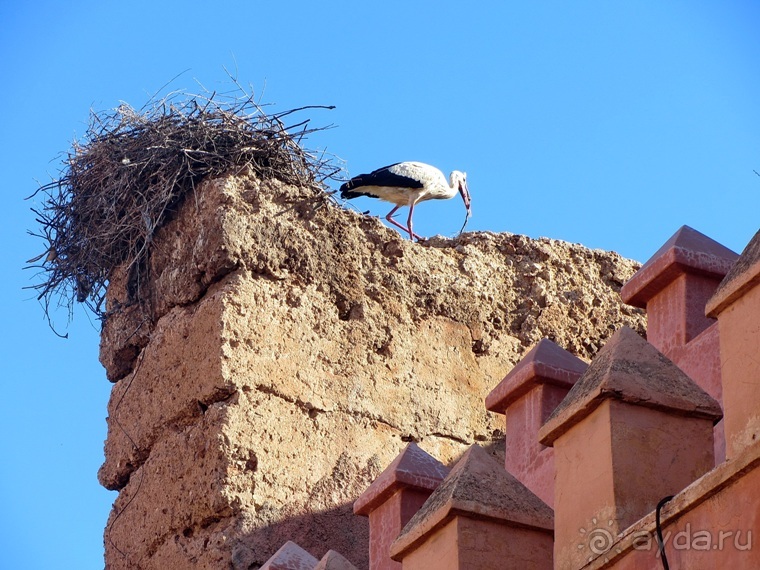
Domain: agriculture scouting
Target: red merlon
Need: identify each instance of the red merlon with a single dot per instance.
(479, 517)
(527, 396)
(675, 284)
(394, 497)
(412, 468)
(686, 250)
(545, 363)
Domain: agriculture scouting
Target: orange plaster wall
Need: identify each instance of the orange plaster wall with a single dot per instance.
(466, 543)
(485, 545)
(728, 522)
(655, 454)
(582, 463)
(722, 532)
(616, 464)
(739, 328)
(440, 550)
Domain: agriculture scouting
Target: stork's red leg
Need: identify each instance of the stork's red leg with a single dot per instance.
(409, 221)
(408, 230)
(412, 235)
(389, 217)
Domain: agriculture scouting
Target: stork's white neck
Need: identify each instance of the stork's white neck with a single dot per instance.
(454, 179)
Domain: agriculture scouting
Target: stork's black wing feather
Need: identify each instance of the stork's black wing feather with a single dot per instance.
(380, 177)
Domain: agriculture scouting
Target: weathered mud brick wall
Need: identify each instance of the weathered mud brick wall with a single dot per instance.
(293, 347)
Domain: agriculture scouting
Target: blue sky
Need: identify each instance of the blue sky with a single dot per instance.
(605, 123)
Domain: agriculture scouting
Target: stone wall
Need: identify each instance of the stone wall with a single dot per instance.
(289, 351)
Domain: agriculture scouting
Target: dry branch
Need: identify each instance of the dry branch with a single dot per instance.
(118, 186)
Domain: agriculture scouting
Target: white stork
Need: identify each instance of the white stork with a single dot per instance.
(406, 184)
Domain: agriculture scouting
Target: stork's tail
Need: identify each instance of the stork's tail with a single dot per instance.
(347, 191)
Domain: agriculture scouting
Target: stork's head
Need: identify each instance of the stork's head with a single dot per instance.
(459, 181)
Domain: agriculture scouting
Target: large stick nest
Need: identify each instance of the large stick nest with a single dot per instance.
(119, 185)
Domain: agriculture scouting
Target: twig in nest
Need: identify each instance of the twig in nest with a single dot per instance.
(118, 186)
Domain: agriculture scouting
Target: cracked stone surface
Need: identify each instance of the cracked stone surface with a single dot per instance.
(290, 351)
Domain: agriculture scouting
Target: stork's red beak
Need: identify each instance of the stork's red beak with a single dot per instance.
(465, 192)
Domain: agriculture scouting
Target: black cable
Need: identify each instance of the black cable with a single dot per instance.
(658, 528)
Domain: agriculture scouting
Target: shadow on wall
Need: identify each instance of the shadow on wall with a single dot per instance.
(319, 532)
(316, 533)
